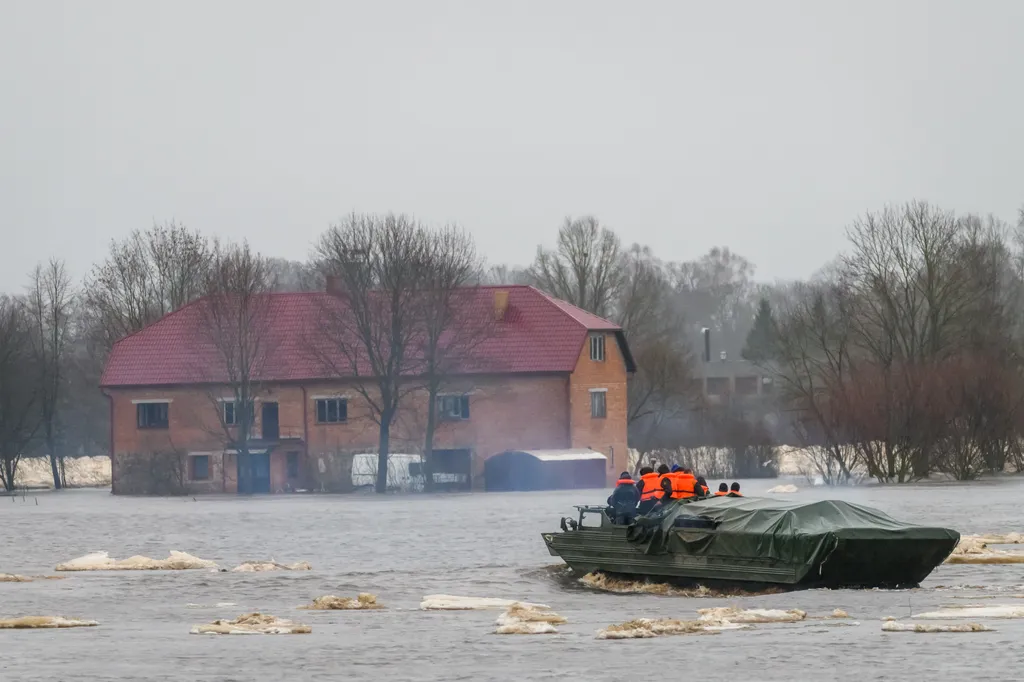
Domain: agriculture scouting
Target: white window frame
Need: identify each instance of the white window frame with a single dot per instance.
(152, 401)
(603, 392)
(597, 347)
(449, 416)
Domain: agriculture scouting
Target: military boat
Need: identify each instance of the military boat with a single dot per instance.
(755, 542)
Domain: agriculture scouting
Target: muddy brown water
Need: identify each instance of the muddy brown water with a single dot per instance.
(488, 545)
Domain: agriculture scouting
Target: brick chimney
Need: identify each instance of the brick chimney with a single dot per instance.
(500, 304)
(333, 285)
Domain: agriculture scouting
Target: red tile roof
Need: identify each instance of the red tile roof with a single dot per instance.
(537, 334)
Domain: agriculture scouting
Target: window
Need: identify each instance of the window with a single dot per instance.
(597, 347)
(200, 469)
(453, 407)
(746, 385)
(152, 415)
(331, 410)
(293, 465)
(415, 469)
(231, 414)
(598, 404)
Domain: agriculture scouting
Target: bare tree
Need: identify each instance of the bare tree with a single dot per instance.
(147, 275)
(453, 326)
(236, 319)
(50, 302)
(813, 361)
(19, 390)
(585, 268)
(370, 335)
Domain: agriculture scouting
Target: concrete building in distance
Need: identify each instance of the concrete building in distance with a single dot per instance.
(548, 382)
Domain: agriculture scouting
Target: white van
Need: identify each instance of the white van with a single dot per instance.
(405, 472)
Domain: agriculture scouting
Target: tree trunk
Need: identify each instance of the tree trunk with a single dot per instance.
(9, 471)
(382, 456)
(428, 444)
(51, 449)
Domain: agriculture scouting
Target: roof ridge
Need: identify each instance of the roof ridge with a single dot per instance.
(552, 300)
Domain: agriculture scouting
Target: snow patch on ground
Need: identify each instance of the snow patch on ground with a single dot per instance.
(252, 624)
(81, 472)
(447, 602)
(44, 622)
(329, 602)
(522, 619)
(101, 561)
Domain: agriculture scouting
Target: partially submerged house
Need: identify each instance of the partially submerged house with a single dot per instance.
(548, 377)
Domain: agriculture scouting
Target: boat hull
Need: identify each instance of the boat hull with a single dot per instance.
(759, 543)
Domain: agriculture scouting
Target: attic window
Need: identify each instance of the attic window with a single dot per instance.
(597, 347)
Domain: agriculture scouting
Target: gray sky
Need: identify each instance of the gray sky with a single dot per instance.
(763, 126)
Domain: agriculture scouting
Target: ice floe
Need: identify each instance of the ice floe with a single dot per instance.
(957, 613)
(329, 602)
(730, 614)
(975, 549)
(894, 626)
(448, 602)
(101, 561)
(261, 566)
(643, 628)
(14, 578)
(521, 619)
(252, 624)
(43, 622)
(784, 489)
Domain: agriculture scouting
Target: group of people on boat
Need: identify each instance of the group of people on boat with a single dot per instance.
(656, 487)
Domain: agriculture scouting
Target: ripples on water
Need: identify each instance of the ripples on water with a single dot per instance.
(477, 545)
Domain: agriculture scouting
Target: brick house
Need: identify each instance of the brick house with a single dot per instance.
(549, 377)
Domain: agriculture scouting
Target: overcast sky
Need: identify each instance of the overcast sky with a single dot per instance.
(763, 126)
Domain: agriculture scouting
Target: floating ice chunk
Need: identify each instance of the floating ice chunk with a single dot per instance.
(252, 624)
(13, 578)
(730, 614)
(784, 489)
(329, 602)
(893, 626)
(522, 619)
(101, 561)
(44, 622)
(644, 628)
(261, 566)
(447, 602)
(999, 611)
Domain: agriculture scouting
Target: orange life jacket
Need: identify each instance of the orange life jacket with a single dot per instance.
(735, 493)
(706, 490)
(625, 481)
(682, 485)
(652, 487)
(719, 493)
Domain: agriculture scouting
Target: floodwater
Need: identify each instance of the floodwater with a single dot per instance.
(488, 545)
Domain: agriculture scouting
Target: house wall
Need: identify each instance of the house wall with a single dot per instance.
(605, 435)
(524, 412)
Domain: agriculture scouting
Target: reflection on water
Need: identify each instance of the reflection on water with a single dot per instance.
(402, 548)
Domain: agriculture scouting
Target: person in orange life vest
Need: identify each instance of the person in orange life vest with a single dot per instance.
(623, 500)
(650, 490)
(704, 490)
(682, 483)
(723, 490)
(734, 490)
